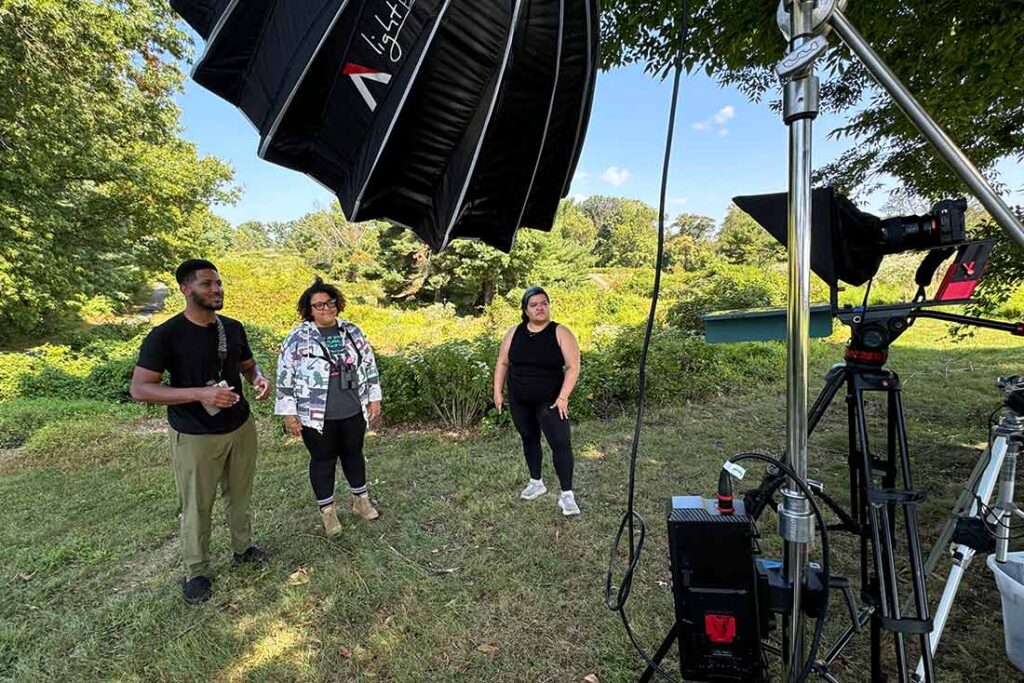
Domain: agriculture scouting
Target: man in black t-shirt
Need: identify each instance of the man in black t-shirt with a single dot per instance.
(213, 438)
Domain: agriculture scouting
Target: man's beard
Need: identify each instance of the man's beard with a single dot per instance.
(202, 303)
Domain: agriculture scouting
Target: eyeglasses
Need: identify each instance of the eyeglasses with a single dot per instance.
(324, 305)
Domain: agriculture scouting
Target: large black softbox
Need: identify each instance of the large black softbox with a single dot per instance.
(456, 118)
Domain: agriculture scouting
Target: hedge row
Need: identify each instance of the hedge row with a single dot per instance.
(447, 384)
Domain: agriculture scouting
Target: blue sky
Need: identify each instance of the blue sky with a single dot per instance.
(724, 146)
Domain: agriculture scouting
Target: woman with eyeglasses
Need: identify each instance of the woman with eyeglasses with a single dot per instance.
(328, 390)
(541, 360)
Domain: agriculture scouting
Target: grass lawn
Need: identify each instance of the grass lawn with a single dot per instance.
(458, 580)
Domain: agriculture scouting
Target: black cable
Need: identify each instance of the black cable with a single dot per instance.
(867, 293)
(826, 568)
(986, 511)
(632, 520)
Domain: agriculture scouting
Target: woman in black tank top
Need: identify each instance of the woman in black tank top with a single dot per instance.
(541, 360)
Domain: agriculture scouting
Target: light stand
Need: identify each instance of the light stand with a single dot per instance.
(805, 24)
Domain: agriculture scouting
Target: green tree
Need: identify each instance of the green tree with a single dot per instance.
(253, 236)
(471, 274)
(563, 256)
(695, 226)
(961, 60)
(743, 241)
(403, 263)
(626, 231)
(97, 191)
(329, 242)
(572, 223)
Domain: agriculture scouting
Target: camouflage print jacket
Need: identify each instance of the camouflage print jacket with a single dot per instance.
(303, 372)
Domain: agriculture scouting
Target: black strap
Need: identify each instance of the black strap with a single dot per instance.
(907, 625)
(222, 346)
(348, 335)
(896, 497)
(329, 357)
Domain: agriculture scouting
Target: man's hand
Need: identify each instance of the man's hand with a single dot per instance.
(293, 426)
(262, 386)
(217, 397)
(375, 411)
(499, 401)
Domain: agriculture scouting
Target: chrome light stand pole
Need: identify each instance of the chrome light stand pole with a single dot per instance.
(805, 24)
(800, 107)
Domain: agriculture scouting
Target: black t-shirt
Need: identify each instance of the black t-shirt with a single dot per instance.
(343, 387)
(188, 352)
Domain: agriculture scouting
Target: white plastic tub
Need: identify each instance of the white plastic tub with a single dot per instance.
(1010, 580)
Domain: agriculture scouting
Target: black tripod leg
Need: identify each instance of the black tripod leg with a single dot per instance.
(659, 655)
(833, 383)
(878, 526)
(914, 539)
(889, 515)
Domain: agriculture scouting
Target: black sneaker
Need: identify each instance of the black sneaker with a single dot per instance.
(196, 590)
(253, 555)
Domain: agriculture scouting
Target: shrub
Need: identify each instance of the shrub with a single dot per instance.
(403, 401)
(455, 380)
(680, 367)
(725, 287)
(20, 418)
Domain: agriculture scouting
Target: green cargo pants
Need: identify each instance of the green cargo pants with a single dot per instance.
(200, 462)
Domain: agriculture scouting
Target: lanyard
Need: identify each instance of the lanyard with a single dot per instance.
(329, 357)
(222, 346)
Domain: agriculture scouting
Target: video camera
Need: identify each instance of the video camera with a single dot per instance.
(726, 601)
(848, 246)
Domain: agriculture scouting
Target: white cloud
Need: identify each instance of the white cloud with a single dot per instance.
(580, 197)
(717, 121)
(615, 175)
(678, 200)
(580, 175)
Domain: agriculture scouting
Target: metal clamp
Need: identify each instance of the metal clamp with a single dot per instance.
(801, 58)
(819, 17)
(796, 521)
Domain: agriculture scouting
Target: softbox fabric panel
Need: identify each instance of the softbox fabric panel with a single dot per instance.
(455, 118)
(570, 115)
(201, 15)
(499, 185)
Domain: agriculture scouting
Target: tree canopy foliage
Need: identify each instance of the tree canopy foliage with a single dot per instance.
(961, 60)
(97, 190)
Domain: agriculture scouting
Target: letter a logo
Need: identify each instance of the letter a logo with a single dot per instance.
(361, 74)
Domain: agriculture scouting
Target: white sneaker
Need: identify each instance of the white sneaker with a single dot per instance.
(534, 489)
(567, 501)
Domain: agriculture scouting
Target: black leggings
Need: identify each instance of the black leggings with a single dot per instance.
(531, 419)
(340, 439)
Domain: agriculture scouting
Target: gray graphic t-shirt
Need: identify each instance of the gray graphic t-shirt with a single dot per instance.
(343, 387)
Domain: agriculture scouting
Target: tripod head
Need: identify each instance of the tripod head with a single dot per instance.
(1013, 387)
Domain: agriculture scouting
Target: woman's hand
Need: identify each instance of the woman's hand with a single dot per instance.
(562, 404)
(293, 426)
(499, 401)
(374, 411)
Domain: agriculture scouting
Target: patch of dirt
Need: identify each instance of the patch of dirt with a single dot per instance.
(155, 425)
(10, 455)
(147, 566)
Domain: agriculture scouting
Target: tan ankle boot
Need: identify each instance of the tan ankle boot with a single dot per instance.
(332, 527)
(361, 506)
